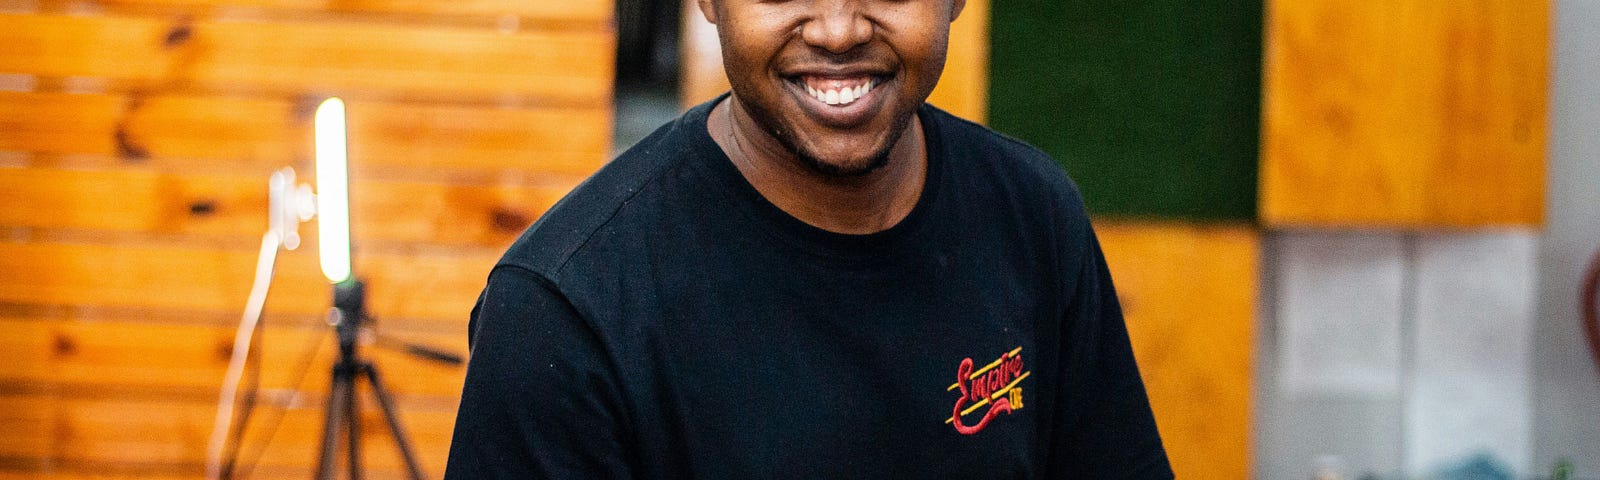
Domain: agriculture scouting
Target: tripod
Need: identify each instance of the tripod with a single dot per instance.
(349, 311)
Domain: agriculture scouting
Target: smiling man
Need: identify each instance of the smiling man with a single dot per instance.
(815, 276)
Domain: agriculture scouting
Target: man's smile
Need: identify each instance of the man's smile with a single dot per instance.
(839, 101)
(837, 91)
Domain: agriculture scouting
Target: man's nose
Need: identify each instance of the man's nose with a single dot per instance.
(838, 26)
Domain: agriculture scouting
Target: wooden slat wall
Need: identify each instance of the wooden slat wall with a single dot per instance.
(136, 137)
(963, 88)
(1188, 293)
(1404, 114)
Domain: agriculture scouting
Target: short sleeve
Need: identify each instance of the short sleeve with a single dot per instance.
(1109, 432)
(540, 398)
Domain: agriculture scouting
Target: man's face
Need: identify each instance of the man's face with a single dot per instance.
(834, 81)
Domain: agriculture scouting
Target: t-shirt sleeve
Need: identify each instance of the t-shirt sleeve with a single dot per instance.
(540, 398)
(1110, 432)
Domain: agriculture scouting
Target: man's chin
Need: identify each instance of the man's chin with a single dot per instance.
(843, 168)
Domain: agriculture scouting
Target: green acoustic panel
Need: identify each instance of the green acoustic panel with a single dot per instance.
(1151, 105)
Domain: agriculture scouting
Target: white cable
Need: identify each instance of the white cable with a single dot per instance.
(241, 348)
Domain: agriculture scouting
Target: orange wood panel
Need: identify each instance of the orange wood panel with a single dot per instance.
(265, 133)
(169, 437)
(357, 60)
(1406, 113)
(1188, 293)
(235, 206)
(559, 10)
(107, 359)
(419, 283)
(963, 87)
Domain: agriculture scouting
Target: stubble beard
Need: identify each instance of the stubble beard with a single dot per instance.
(809, 159)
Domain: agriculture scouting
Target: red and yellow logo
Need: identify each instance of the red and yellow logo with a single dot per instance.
(994, 385)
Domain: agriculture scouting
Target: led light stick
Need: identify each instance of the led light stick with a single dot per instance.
(333, 191)
(349, 304)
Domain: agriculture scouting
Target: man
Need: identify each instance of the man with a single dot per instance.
(816, 276)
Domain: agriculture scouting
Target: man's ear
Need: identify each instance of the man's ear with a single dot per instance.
(955, 8)
(710, 11)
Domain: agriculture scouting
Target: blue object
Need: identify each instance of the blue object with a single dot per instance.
(1481, 466)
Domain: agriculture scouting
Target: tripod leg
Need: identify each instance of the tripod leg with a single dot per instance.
(332, 420)
(389, 414)
(352, 418)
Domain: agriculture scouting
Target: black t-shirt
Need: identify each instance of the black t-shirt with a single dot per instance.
(666, 321)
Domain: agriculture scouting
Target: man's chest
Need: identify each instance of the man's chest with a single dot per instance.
(929, 374)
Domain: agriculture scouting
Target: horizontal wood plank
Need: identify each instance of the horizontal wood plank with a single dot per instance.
(355, 60)
(139, 435)
(261, 134)
(405, 283)
(235, 206)
(188, 362)
(548, 10)
(1188, 294)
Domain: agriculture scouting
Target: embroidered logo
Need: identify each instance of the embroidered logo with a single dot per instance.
(994, 385)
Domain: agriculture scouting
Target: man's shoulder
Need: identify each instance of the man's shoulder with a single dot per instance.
(570, 224)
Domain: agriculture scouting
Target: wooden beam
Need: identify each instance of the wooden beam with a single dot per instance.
(351, 59)
(410, 283)
(543, 10)
(143, 435)
(137, 201)
(262, 134)
(107, 359)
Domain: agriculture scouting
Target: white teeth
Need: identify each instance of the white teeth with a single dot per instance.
(843, 96)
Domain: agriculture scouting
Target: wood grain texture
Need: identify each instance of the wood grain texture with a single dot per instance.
(1188, 293)
(134, 437)
(108, 358)
(1405, 114)
(350, 59)
(556, 10)
(196, 206)
(133, 195)
(258, 135)
(963, 88)
(416, 283)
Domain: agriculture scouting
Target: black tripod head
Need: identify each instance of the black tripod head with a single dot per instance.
(350, 312)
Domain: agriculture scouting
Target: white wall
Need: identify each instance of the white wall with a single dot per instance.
(1567, 388)
(1396, 353)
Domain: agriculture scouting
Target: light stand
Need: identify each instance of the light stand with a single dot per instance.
(349, 312)
(289, 204)
(349, 306)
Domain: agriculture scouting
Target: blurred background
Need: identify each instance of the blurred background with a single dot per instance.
(1349, 236)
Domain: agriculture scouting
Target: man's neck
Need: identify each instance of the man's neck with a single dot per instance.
(868, 203)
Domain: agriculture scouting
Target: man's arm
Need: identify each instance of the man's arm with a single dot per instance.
(541, 398)
(1111, 434)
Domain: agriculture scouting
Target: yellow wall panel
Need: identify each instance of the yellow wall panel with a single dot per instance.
(1188, 293)
(1407, 113)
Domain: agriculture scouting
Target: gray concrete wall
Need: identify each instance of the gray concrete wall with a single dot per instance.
(1364, 422)
(1566, 386)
